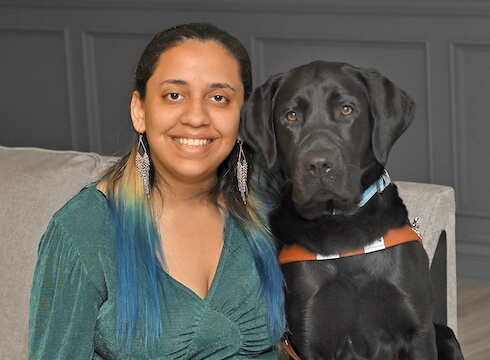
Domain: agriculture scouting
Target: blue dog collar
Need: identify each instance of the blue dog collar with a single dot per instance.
(376, 188)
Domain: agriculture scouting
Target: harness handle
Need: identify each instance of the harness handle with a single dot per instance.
(289, 349)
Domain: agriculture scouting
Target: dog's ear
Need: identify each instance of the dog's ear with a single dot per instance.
(257, 122)
(392, 112)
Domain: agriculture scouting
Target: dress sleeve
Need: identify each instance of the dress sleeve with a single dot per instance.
(64, 300)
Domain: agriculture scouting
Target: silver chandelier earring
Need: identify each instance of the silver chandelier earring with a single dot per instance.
(241, 172)
(143, 165)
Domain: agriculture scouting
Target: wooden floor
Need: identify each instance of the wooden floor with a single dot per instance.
(474, 320)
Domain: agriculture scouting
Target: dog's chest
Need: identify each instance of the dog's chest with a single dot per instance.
(355, 274)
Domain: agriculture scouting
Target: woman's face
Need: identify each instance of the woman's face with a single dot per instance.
(191, 111)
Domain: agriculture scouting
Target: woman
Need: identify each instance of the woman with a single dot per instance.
(167, 256)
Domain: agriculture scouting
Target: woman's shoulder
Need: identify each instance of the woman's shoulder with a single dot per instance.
(88, 205)
(86, 221)
(81, 235)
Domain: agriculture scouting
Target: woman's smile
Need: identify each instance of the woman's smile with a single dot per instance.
(190, 142)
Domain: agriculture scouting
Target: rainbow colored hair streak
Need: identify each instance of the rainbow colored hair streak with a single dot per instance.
(139, 270)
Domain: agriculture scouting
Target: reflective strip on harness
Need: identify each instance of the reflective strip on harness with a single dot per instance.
(394, 237)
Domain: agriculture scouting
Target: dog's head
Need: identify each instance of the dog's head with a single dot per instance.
(326, 125)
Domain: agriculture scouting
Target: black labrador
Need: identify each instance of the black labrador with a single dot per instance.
(327, 129)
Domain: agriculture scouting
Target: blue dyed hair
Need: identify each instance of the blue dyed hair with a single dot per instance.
(138, 267)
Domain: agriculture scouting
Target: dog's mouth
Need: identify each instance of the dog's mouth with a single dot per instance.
(316, 209)
(339, 186)
(324, 201)
(337, 194)
(324, 194)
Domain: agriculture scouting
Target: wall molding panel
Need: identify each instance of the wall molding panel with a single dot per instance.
(67, 65)
(37, 82)
(108, 55)
(93, 118)
(470, 67)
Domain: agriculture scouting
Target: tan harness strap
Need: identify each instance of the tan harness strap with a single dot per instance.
(393, 237)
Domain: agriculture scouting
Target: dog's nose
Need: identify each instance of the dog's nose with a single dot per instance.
(318, 166)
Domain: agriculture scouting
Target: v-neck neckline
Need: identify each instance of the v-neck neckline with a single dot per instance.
(229, 224)
(225, 250)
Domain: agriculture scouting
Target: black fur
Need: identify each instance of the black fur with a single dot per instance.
(327, 129)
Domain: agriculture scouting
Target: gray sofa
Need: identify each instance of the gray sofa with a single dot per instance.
(37, 182)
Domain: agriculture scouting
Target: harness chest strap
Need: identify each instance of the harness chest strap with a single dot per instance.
(393, 237)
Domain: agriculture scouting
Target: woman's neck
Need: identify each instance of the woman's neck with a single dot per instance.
(179, 195)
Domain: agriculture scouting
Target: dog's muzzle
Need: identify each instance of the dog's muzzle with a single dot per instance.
(318, 181)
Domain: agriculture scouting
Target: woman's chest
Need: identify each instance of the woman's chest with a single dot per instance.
(226, 323)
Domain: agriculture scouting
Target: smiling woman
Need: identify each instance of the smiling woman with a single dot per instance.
(193, 98)
(168, 256)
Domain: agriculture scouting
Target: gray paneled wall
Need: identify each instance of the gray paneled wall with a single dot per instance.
(66, 77)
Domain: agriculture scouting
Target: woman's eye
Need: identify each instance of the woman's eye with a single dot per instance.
(219, 98)
(346, 110)
(173, 96)
(291, 116)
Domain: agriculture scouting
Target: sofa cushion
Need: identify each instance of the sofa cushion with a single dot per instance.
(35, 184)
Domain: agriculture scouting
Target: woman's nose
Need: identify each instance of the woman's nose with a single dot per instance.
(196, 113)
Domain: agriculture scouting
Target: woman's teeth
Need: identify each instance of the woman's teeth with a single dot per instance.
(193, 142)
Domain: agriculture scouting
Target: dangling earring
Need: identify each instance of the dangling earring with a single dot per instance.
(143, 165)
(241, 172)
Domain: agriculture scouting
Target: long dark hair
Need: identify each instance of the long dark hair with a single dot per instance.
(138, 240)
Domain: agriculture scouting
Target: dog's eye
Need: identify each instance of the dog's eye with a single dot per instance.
(291, 116)
(346, 110)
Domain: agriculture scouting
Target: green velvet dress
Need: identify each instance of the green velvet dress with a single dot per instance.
(73, 299)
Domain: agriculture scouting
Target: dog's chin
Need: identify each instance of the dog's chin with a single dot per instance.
(311, 202)
(316, 208)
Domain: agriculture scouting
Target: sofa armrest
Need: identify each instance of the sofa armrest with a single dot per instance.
(435, 206)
